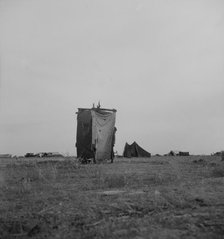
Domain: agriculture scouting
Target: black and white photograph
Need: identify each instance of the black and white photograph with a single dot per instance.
(111, 119)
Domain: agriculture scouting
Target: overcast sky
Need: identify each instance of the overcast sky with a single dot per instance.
(159, 63)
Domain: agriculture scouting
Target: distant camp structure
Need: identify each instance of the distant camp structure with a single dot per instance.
(177, 153)
(134, 150)
(219, 153)
(43, 154)
(95, 136)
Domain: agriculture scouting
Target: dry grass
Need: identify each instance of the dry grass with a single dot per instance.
(218, 171)
(179, 197)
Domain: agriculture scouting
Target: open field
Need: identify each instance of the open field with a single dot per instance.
(160, 197)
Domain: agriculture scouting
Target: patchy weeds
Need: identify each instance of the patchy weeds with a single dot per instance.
(168, 198)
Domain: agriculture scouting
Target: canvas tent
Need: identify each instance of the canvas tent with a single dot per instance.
(95, 136)
(134, 150)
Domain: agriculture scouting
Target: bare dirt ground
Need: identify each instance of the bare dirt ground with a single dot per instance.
(160, 197)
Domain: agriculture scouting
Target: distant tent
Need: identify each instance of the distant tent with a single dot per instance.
(50, 154)
(29, 155)
(95, 136)
(134, 150)
(184, 154)
(220, 153)
(178, 153)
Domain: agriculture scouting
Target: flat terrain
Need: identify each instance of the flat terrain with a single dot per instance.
(159, 197)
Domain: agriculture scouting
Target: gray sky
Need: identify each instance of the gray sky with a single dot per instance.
(159, 63)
